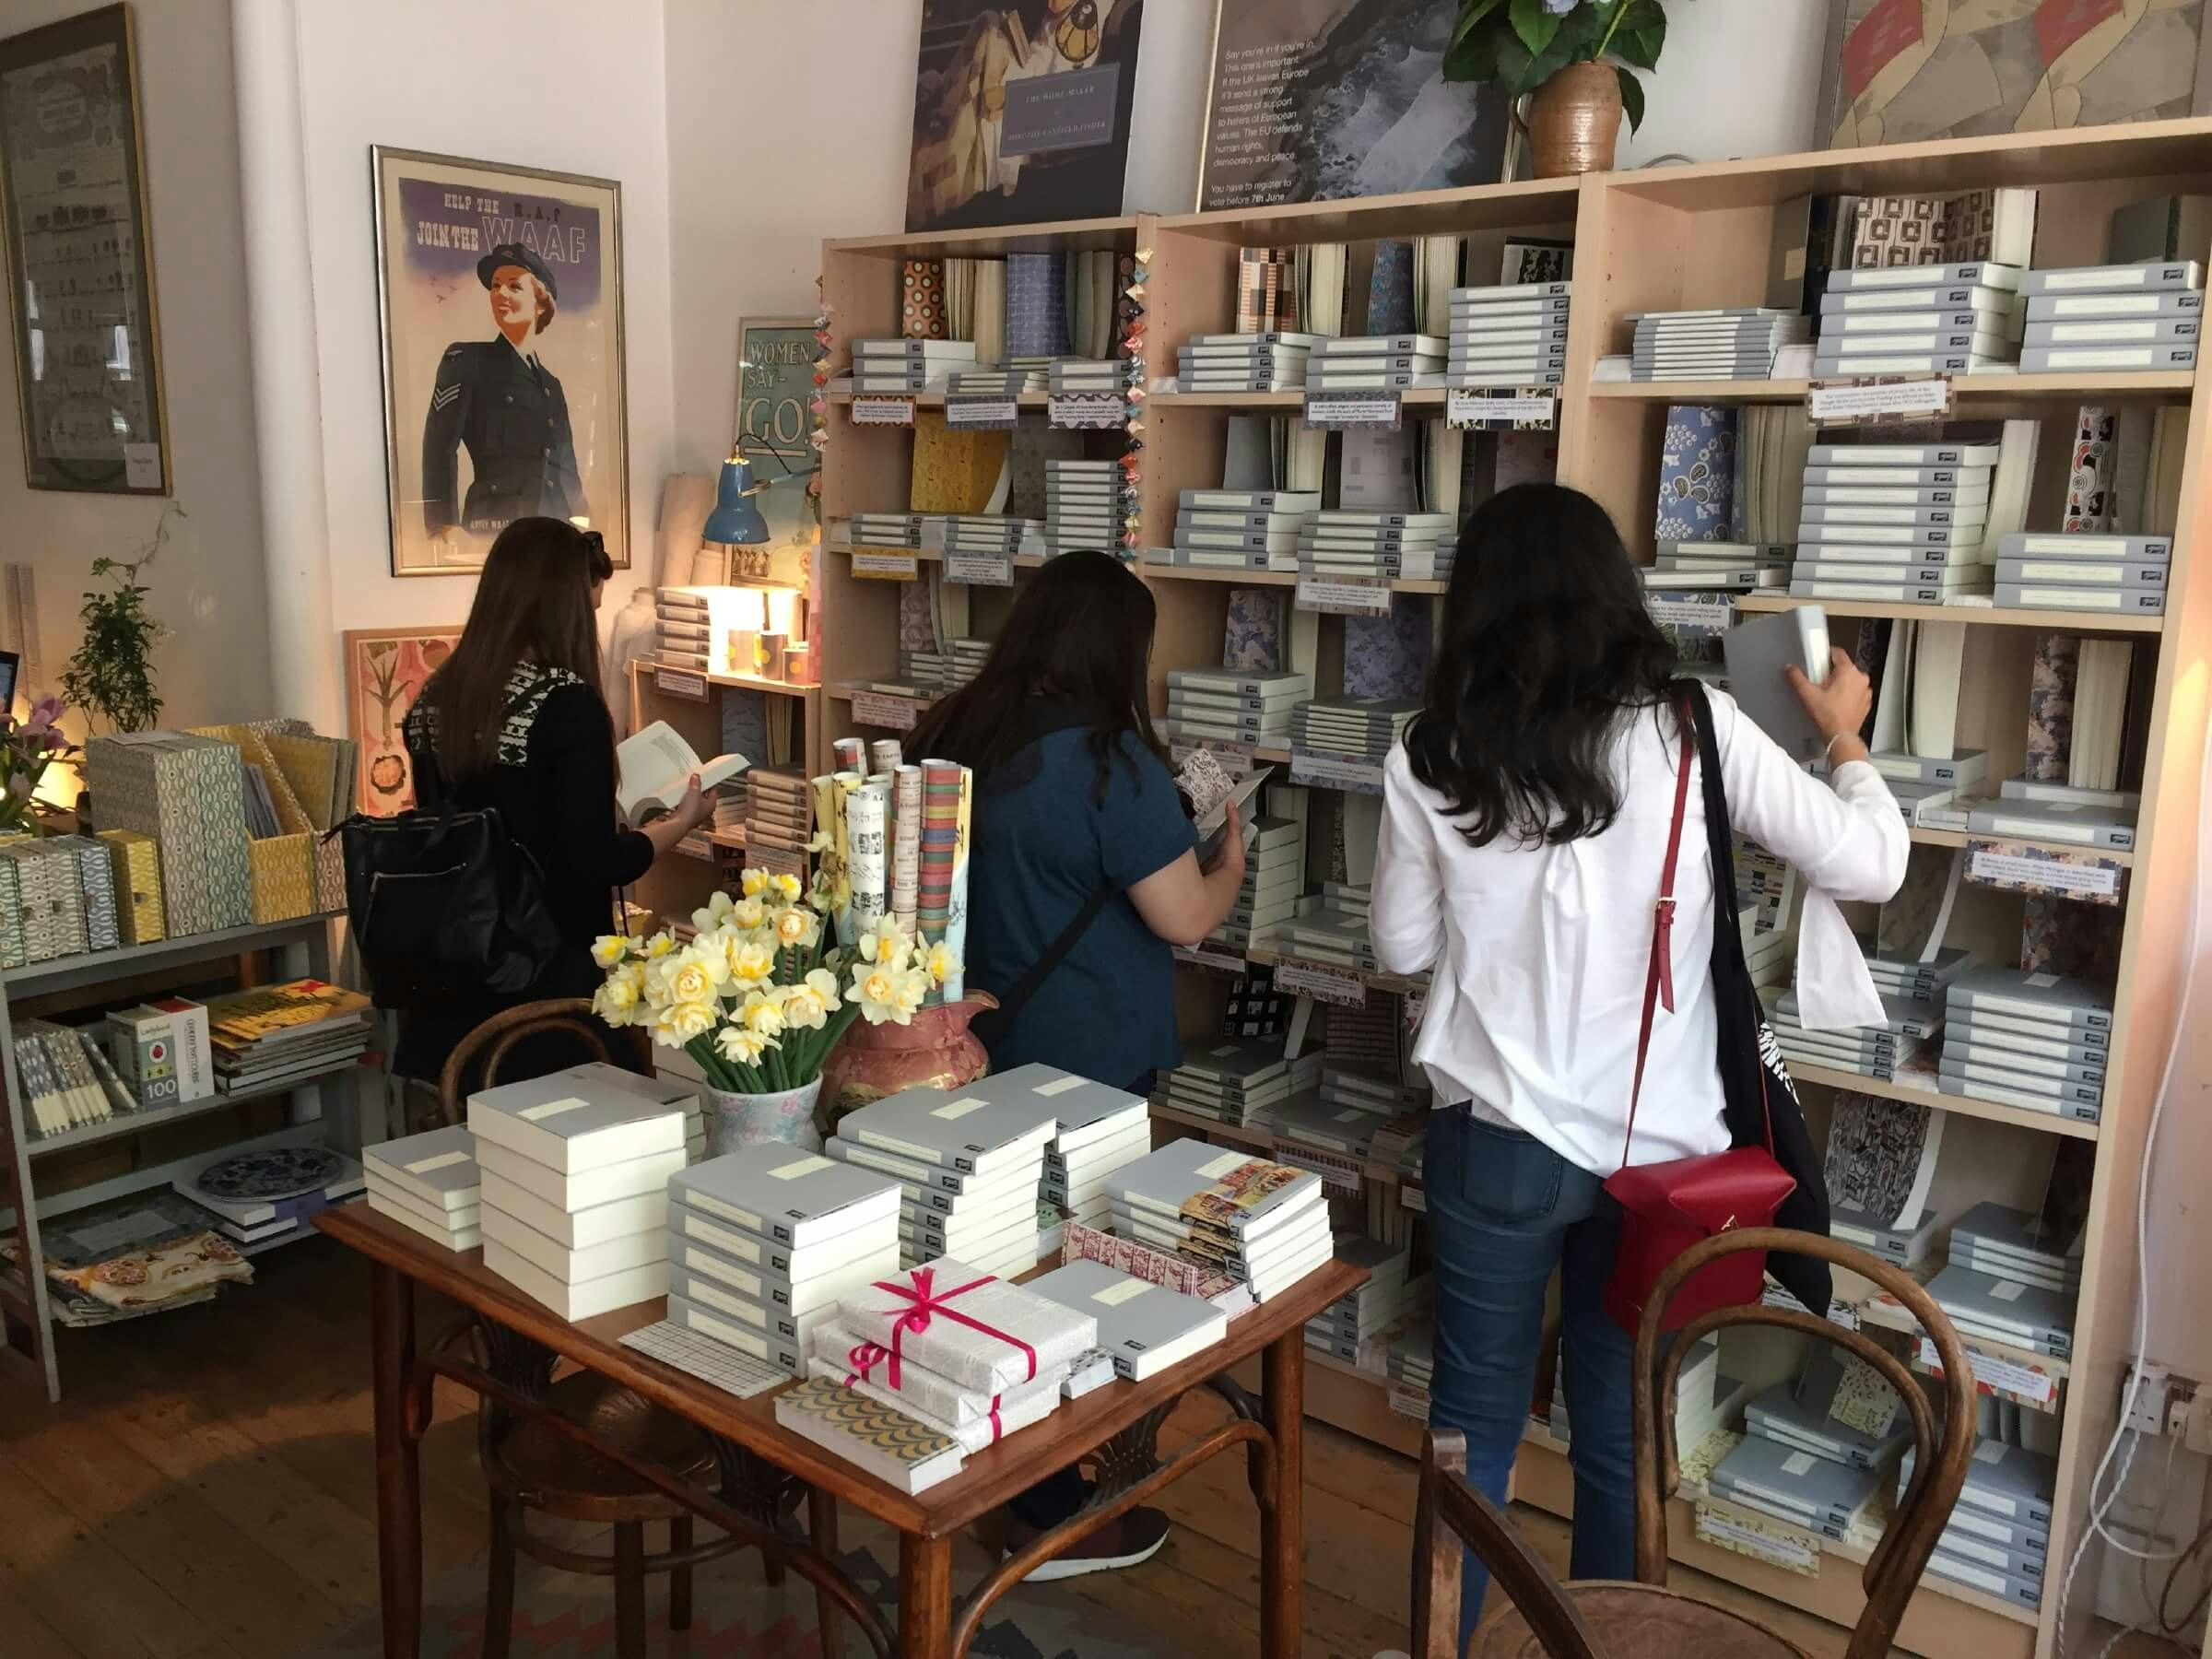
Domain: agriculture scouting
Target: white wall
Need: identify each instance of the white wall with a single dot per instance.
(207, 585)
(1738, 77)
(573, 85)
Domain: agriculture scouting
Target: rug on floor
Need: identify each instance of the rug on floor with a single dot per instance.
(735, 1616)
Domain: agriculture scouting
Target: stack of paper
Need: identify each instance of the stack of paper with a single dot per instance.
(1933, 319)
(1412, 546)
(905, 367)
(1736, 343)
(430, 1183)
(1082, 506)
(1375, 363)
(763, 1243)
(1233, 705)
(1508, 337)
(2124, 317)
(2040, 1042)
(1364, 727)
(2082, 572)
(1257, 1221)
(1903, 522)
(1274, 361)
(1998, 1539)
(575, 1177)
(1238, 1080)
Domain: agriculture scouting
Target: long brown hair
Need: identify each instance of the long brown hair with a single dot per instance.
(533, 604)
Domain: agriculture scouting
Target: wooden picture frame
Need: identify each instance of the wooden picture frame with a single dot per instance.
(72, 202)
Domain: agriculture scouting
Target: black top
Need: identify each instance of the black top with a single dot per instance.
(501, 406)
(553, 786)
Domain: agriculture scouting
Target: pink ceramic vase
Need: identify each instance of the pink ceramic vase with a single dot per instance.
(934, 1050)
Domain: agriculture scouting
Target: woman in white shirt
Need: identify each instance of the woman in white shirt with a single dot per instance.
(1524, 820)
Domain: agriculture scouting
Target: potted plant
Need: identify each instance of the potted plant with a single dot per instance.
(1574, 60)
(759, 996)
(111, 675)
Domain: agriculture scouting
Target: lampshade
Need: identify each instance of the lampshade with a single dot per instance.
(734, 519)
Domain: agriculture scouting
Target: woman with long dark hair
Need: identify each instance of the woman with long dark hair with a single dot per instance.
(1082, 876)
(1525, 819)
(514, 720)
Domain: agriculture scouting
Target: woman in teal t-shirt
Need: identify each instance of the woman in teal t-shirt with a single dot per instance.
(1083, 876)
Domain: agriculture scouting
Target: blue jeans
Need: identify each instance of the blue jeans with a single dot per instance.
(1503, 1211)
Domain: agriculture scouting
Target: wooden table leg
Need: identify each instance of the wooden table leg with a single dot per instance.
(925, 1595)
(399, 1468)
(822, 1529)
(1282, 1529)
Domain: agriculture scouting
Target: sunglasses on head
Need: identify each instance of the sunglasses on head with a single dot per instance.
(596, 557)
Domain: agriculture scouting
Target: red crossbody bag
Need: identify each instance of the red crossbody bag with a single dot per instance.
(1668, 1207)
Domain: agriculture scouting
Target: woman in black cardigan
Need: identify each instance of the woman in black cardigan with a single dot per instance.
(514, 720)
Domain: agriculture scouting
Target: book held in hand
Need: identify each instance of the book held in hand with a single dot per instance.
(656, 767)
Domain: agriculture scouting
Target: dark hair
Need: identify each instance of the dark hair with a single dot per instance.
(1546, 649)
(601, 562)
(1075, 650)
(533, 604)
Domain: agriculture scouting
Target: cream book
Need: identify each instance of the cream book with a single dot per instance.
(656, 765)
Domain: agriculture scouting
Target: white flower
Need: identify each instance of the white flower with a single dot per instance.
(745, 1047)
(694, 975)
(883, 943)
(941, 964)
(763, 1013)
(796, 928)
(810, 1003)
(716, 912)
(609, 948)
(786, 884)
(751, 963)
(877, 992)
(1559, 8)
(680, 1021)
(748, 915)
(616, 1001)
(913, 989)
(754, 882)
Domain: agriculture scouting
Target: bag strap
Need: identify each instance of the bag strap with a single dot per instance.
(1659, 979)
(1055, 953)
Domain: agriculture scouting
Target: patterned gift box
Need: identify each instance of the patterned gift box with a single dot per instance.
(96, 881)
(51, 898)
(11, 915)
(188, 792)
(283, 868)
(321, 771)
(136, 865)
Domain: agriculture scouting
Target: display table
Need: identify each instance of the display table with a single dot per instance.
(765, 1470)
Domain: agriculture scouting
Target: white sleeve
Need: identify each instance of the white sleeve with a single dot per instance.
(1406, 918)
(1849, 840)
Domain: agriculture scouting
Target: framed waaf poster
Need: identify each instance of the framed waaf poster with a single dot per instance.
(73, 200)
(500, 290)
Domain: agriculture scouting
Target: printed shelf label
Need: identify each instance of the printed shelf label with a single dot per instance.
(1336, 771)
(1698, 615)
(677, 683)
(981, 412)
(980, 570)
(892, 712)
(883, 411)
(2055, 874)
(1335, 410)
(1529, 410)
(1213, 960)
(1082, 410)
(886, 567)
(1999, 1375)
(1875, 399)
(1339, 986)
(1345, 595)
(1772, 1541)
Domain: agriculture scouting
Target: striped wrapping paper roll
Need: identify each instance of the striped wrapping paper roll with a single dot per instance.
(850, 754)
(864, 835)
(956, 922)
(906, 843)
(940, 839)
(884, 755)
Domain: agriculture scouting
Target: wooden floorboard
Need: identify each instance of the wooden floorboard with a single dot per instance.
(226, 1448)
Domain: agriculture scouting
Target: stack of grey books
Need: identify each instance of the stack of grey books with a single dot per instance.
(1950, 319)
(1802, 1486)
(1238, 1080)
(1875, 1051)
(1100, 1129)
(1082, 506)
(1240, 529)
(1991, 1307)
(905, 367)
(1998, 1538)
(2124, 317)
(1257, 1221)
(1341, 1329)
(1504, 338)
(1902, 522)
(1799, 1415)
(1144, 1327)
(968, 1164)
(1364, 728)
(2085, 572)
(1233, 705)
(992, 534)
(888, 529)
(1915, 977)
(1321, 933)
(1009, 379)
(1731, 343)
(1391, 547)
(763, 1243)
(1909, 1242)
(1718, 566)
(1243, 362)
(2010, 1243)
(2036, 1040)
(1375, 363)
(1275, 880)
(1081, 374)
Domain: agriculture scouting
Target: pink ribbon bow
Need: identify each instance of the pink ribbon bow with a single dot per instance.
(867, 1355)
(929, 1301)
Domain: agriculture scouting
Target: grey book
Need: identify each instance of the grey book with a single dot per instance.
(1973, 1075)
(1907, 1245)
(2031, 1036)
(1778, 1415)
(1828, 1497)
(2113, 331)
(1912, 512)
(438, 1167)
(1871, 327)
(1475, 380)
(2010, 1267)
(1757, 653)
(2121, 549)
(913, 1171)
(1970, 274)
(1901, 1017)
(2025, 1315)
(2136, 601)
(2011, 1483)
(1968, 767)
(571, 1125)
(1146, 1327)
(2001, 1228)
(1973, 494)
(1933, 338)
(2014, 1560)
(797, 1198)
(2026, 1593)
(1964, 1050)
(2147, 277)
(1906, 538)
(1241, 684)
(2045, 997)
(1476, 338)
(1894, 593)
(735, 1333)
(1908, 361)
(2087, 573)
(1512, 290)
(1233, 1193)
(2056, 821)
(1867, 475)
(2066, 359)
(1933, 297)
(967, 1131)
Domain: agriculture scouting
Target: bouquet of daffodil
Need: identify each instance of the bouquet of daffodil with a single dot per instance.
(760, 993)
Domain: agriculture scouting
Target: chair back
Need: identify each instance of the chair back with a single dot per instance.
(495, 1038)
(1939, 1464)
(1452, 1516)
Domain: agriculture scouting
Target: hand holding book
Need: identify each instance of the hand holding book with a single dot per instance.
(1838, 704)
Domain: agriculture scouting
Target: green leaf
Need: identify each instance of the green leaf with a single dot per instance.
(1631, 98)
(1474, 58)
(1472, 12)
(1643, 36)
(1513, 63)
(1534, 26)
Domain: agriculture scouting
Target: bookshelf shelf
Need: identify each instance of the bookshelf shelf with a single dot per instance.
(157, 1117)
(1918, 1088)
(2046, 621)
(1958, 837)
(2157, 383)
(741, 682)
(842, 395)
(1236, 578)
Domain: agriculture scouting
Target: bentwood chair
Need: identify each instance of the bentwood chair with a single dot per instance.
(1642, 1618)
(532, 1469)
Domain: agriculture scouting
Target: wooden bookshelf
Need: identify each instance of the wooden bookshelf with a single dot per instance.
(1669, 238)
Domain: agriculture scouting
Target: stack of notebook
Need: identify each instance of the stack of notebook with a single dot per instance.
(2124, 317)
(1324, 933)
(2036, 1040)
(905, 367)
(1713, 567)
(1903, 522)
(1009, 379)
(1344, 1328)
(575, 1171)
(1238, 1080)
(1919, 312)
(430, 1183)
(272, 1034)
(1875, 1051)
(1736, 343)
(1274, 361)
(1100, 1129)
(2017, 1244)
(1375, 363)
(1232, 705)
(1366, 728)
(1934, 319)
(1146, 1327)
(1509, 337)
(993, 535)
(1240, 529)
(1410, 547)
(763, 1243)
(1275, 880)
(1998, 1538)
(1260, 1221)
(1070, 375)
(968, 1164)
(1996, 1307)
(2085, 572)
(1082, 506)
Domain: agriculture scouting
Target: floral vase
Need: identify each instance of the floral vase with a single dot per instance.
(936, 1050)
(1574, 122)
(754, 1119)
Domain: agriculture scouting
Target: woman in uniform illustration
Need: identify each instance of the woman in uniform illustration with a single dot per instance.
(496, 399)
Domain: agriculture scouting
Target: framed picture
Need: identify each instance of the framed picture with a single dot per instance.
(1899, 71)
(1316, 99)
(385, 671)
(73, 204)
(501, 293)
(775, 379)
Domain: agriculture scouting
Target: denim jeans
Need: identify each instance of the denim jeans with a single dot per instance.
(1503, 1211)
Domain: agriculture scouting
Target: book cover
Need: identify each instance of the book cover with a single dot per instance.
(886, 1441)
(1696, 471)
(1881, 1156)
(1388, 656)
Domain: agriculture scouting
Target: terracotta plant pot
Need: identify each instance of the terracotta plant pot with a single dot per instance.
(753, 1120)
(936, 1050)
(1574, 122)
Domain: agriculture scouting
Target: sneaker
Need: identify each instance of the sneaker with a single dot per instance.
(1125, 1541)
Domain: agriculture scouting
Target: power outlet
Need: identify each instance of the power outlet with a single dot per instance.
(2197, 1434)
(2144, 1401)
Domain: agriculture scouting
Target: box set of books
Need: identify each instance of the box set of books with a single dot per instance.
(1998, 1538)
(1905, 522)
(1257, 1221)
(2123, 574)
(575, 1170)
(430, 1183)
(2040, 1042)
(1082, 505)
(1410, 547)
(1100, 1131)
(1508, 337)
(2135, 318)
(1274, 868)
(1960, 318)
(1365, 728)
(1239, 529)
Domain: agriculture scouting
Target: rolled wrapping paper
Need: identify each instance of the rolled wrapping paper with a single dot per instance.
(798, 663)
(942, 891)
(864, 837)
(848, 753)
(906, 843)
(830, 815)
(956, 923)
(884, 755)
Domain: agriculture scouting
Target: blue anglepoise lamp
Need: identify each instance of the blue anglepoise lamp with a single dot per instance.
(735, 520)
